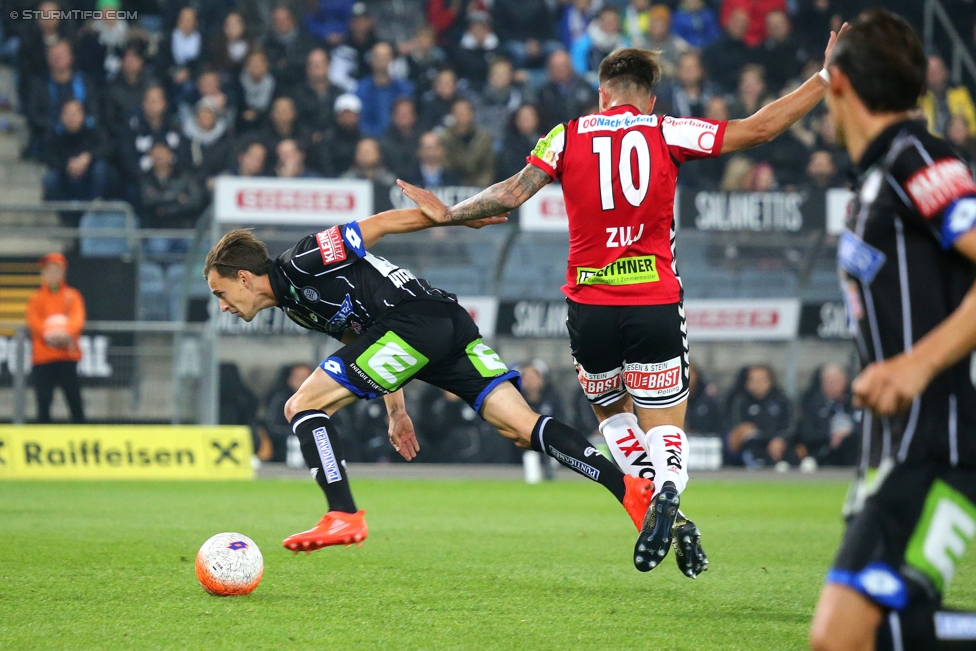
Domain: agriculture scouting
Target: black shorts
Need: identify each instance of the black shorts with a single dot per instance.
(903, 545)
(433, 341)
(637, 349)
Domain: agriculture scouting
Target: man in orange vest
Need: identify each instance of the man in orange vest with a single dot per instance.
(56, 317)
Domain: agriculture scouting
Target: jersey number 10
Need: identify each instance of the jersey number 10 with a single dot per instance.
(633, 141)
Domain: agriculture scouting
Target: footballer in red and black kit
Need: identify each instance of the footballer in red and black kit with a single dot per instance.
(618, 170)
(907, 263)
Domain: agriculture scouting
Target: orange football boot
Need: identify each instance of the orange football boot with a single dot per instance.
(637, 498)
(335, 528)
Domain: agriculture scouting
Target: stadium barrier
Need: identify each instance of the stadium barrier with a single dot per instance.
(125, 452)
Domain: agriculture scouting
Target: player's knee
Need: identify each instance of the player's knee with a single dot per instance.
(824, 637)
(520, 438)
(294, 406)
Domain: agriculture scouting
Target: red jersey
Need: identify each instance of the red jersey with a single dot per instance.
(619, 171)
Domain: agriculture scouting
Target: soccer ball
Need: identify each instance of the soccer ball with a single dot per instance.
(229, 564)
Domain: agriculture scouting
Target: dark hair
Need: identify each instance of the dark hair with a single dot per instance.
(237, 250)
(884, 59)
(630, 68)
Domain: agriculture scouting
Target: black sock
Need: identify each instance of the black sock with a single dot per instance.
(322, 450)
(570, 448)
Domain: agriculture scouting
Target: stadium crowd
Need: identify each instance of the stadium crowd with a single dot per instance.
(437, 92)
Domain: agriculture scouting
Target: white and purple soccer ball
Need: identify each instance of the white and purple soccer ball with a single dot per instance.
(229, 564)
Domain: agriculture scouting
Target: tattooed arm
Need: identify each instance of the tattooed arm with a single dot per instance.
(496, 200)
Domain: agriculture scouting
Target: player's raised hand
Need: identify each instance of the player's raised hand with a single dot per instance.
(834, 36)
(487, 221)
(889, 387)
(427, 201)
(402, 435)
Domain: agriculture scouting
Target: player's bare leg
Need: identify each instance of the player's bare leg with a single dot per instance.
(506, 409)
(653, 444)
(845, 620)
(308, 411)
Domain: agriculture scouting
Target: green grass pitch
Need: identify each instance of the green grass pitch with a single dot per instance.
(448, 565)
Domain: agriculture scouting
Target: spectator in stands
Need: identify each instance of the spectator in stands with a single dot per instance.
(257, 91)
(238, 405)
(756, 11)
(315, 97)
(397, 21)
(379, 91)
(576, 17)
(257, 14)
(957, 133)
(660, 38)
(432, 171)
(151, 125)
(759, 420)
(520, 138)
(424, 59)
(76, 156)
(696, 24)
(252, 159)
(762, 178)
(779, 54)
(335, 154)
(527, 30)
(498, 100)
(688, 93)
(287, 46)
(752, 92)
(449, 18)
(477, 47)
(55, 317)
(290, 161)
(207, 85)
(940, 102)
(125, 93)
(725, 58)
(813, 23)
(289, 380)
(737, 176)
(826, 134)
(636, 21)
(284, 125)
(170, 197)
(326, 20)
(207, 139)
(468, 148)
(228, 50)
(368, 165)
(704, 415)
(436, 103)
(541, 396)
(827, 417)
(48, 95)
(349, 60)
(399, 144)
(821, 170)
(100, 44)
(37, 36)
(451, 432)
(788, 153)
(565, 95)
(181, 52)
(602, 37)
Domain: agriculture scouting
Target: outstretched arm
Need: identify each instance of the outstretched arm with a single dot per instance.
(407, 220)
(776, 117)
(499, 199)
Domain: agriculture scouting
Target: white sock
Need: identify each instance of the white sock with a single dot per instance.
(669, 453)
(625, 439)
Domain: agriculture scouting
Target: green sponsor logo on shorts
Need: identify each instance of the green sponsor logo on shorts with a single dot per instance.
(947, 525)
(623, 271)
(487, 361)
(391, 361)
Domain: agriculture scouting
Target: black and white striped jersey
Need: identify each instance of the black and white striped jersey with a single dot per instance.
(329, 282)
(901, 277)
